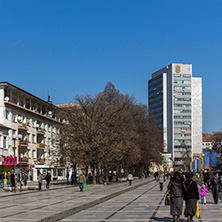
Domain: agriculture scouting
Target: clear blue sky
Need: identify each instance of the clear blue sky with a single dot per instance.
(69, 48)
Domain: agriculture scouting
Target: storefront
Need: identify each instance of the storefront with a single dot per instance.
(7, 164)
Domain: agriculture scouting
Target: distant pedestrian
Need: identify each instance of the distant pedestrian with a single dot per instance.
(191, 197)
(8, 177)
(13, 179)
(67, 175)
(177, 188)
(143, 176)
(24, 179)
(167, 175)
(206, 179)
(215, 187)
(2, 178)
(161, 179)
(156, 176)
(40, 180)
(81, 181)
(73, 178)
(203, 193)
(48, 180)
(130, 178)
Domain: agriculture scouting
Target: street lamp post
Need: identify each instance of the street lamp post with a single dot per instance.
(14, 138)
(20, 138)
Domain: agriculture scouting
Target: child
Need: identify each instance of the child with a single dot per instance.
(203, 194)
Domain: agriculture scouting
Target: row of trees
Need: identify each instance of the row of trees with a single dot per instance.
(110, 132)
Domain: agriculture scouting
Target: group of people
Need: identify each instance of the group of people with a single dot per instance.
(47, 179)
(11, 179)
(185, 188)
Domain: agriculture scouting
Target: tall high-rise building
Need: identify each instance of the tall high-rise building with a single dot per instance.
(175, 99)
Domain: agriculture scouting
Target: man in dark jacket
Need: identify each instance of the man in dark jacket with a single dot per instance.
(13, 179)
(206, 179)
(191, 197)
(215, 187)
(48, 180)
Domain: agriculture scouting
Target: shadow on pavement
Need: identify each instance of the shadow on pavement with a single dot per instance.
(166, 219)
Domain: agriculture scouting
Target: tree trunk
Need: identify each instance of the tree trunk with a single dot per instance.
(93, 175)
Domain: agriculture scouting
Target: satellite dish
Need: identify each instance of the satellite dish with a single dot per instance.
(6, 98)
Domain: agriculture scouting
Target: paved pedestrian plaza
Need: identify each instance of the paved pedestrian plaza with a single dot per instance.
(143, 201)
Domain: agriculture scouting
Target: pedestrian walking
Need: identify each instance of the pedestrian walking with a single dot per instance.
(143, 176)
(130, 178)
(8, 177)
(73, 178)
(2, 178)
(24, 179)
(13, 179)
(215, 187)
(67, 175)
(206, 179)
(48, 180)
(177, 188)
(161, 179)
(40, 180)
(191, 197)
(203, 193)
(81, 181)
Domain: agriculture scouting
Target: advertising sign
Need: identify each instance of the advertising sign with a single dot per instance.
(206, 159)
(213, 159)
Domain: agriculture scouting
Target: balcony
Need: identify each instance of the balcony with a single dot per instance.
(40, 145)
(24, 143)
(24, 160)
(40, 130)
(23, 126)
(41, 161)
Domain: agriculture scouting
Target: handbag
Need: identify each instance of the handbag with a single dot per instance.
(84, 185)
(197, 215)
(167, 200)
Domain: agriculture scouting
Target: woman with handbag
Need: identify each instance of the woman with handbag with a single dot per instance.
(177, 188)
(191, 197)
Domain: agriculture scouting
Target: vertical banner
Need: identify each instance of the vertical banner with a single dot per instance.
(207, 159)
(202, 163)
(198, 164)
(213, 159)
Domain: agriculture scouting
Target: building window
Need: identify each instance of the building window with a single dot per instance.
(4, 142)
(7, 114)
(33, 154)
(33, 123)
(14, 118)
(33, 138)
(28, 121)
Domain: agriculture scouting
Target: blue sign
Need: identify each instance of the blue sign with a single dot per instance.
(198, 162)
(207, 159)
(213, 159)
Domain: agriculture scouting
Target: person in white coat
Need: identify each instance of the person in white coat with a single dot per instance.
(130, 178)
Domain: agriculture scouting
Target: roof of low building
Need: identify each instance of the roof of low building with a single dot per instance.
(69, 105)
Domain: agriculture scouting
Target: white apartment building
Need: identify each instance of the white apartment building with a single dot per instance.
(175, 99)
(38, 123)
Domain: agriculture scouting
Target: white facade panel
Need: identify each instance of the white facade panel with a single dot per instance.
(197, 115)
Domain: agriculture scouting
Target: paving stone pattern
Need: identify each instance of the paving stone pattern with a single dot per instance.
(144, 203)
